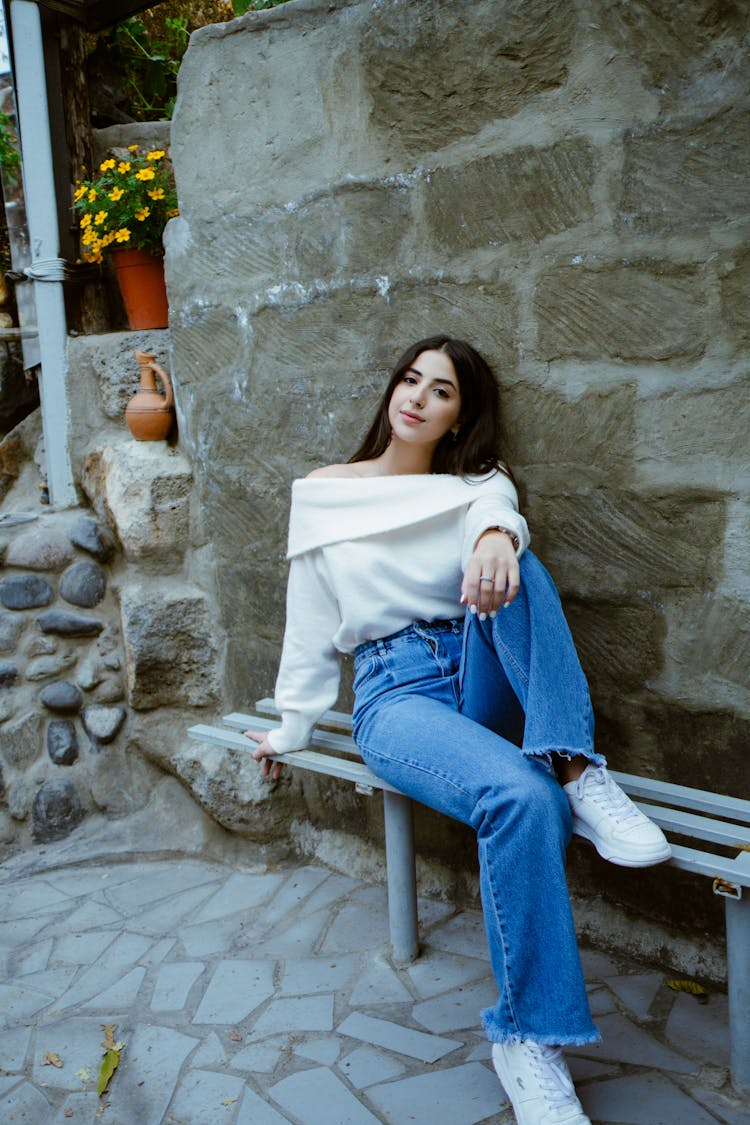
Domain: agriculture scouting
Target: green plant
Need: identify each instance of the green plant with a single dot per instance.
(127, 205)
(147, 49)
(9, 156)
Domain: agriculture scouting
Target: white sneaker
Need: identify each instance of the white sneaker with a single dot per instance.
(538, 1083)
(615, 826)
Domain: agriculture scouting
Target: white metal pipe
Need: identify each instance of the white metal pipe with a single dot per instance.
(44, 236)
(402, 877)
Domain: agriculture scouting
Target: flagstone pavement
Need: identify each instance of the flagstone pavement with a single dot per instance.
(264, 995)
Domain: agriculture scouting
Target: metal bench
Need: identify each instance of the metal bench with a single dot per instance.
(693, 814)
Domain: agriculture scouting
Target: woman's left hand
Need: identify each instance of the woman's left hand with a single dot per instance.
(494, 557)
(265, 753)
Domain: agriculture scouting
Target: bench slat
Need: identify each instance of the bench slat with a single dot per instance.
(646, 788)
(356, 772)
(716, 867)
(330, 741)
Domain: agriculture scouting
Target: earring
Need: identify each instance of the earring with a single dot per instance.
(454, 436)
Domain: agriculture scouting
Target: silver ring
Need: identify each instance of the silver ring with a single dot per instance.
(485, 578)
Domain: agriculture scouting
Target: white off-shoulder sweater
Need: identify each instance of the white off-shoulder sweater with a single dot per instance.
(369, 555)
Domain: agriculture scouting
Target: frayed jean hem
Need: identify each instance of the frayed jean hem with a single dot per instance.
(547, 755)
(497, 1034)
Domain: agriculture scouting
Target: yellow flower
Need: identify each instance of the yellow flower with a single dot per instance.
(79, 193)
(108, 238)
(173, 213)
(99, 218)
(156, 193)
(88, 237)
(107, 164)
(116, 193)
(122, 235)
(155, 154)
(143, 214)
(92, 195)
(145, 174)
(86, 221)
(123, 167)
(132, 148)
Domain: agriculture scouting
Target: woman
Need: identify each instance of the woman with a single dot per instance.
(483, 715)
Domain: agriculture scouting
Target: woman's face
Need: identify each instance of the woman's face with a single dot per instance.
(426, 403)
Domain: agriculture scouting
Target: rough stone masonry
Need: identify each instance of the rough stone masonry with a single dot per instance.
(564, 184)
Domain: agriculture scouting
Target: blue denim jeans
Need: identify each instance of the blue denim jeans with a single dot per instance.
(464, 716)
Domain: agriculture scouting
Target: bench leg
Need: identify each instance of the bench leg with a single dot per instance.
(738, 974)
(402, 876)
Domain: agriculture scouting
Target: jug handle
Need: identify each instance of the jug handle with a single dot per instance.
(145, 359)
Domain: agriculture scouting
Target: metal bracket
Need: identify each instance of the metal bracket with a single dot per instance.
(726, 889)
(363, 789)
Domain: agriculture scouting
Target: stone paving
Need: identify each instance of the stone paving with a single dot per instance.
(265, 996)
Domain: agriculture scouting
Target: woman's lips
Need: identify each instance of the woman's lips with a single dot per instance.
(411, 417)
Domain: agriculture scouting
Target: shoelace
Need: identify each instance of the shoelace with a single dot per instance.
(552, 1073)
(602, 790)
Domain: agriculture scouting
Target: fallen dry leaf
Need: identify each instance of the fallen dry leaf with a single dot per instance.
(690, 986)
(51, 1058)
(236, 1037)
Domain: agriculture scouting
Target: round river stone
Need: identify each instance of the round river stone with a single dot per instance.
(87, 534)
(69, 624)
(103, 723)
(83, 584)
(25, 591)
(62, 742)
(56, 811)
(62, 696)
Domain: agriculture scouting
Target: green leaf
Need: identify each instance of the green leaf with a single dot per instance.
(110, 1063)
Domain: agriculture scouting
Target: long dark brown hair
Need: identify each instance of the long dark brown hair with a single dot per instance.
(474, 449)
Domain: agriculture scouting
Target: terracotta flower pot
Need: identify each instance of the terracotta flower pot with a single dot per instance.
(140, 276)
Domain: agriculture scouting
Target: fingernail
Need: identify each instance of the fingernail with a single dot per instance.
(482, 616)
(472, 609)
(506, 605)
(493, 613)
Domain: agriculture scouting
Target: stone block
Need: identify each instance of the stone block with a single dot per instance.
(686, 178)
(62, 742)
(689, 54)
(708, 652)
(645, 312)
(25, 591)
(620, 646)
(523, 195)
(145, 486)
(352, 229)
(470, 71)
(735, 297)
(171, 653)
(43, 545)
(587, 437)
(103, 368)
(21, 740)
(696, 435)
(90, 536)
(611, 544)
(17, 448)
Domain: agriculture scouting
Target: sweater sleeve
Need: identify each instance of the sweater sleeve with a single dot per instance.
(497, 507)
(309, 671)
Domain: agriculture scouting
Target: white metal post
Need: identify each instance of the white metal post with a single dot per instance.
(47, 268)
(402, 876)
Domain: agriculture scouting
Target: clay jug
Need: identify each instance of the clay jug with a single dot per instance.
(149, 414)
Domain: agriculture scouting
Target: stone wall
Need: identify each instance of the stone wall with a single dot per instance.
(563, 184)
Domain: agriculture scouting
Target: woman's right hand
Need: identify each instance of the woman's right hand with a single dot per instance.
(265, 753)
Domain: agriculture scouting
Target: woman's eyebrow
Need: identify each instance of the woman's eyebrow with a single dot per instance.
(416, 371)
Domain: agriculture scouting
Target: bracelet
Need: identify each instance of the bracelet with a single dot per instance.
(505, 531)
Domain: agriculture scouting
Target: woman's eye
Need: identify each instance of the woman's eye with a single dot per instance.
(409, 379)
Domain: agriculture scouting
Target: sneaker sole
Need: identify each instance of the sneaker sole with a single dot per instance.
(650, 860)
